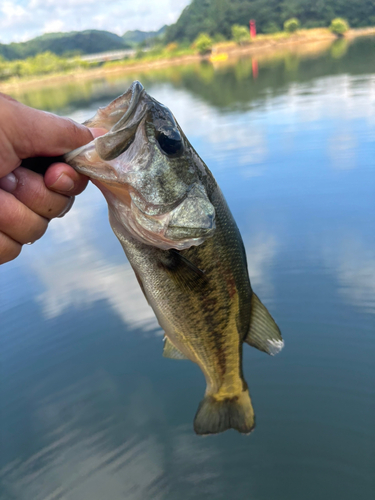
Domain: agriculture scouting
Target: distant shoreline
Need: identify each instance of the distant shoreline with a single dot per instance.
(262, 46)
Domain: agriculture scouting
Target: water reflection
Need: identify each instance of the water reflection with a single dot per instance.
(353, 262)
(79, 275)
(225, 86)
(98, 444)
(88, 454)
(342, 150)
(90, 409)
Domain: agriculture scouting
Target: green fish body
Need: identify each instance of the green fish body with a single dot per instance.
(184, 246)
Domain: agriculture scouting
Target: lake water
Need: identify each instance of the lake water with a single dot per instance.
(90, 409)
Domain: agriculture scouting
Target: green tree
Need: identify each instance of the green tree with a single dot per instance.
(271, 27)
(240, 34)
(339, 26)
(218, 16)
(291, 25)
(203, 43)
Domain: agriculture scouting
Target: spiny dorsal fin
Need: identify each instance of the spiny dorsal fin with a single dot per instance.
(263, 333)
(170, 351)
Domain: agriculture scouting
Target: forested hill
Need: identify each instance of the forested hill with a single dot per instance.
(217, 16)
(82, 42)
(137, 36)
(76, 42)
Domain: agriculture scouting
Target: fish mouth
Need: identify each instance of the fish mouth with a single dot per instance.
(115, 118)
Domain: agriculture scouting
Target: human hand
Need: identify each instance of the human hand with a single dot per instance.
(27, 201)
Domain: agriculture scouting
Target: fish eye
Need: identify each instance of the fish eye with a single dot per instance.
(170, 145)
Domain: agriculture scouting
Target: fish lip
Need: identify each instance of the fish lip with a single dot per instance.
(137, 91)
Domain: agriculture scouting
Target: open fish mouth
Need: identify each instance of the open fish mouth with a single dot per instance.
(144, 167)
(114, 118)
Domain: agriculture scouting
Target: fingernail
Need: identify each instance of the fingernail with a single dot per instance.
(63, 183)
(67, 208)
(97, 132)
(9, 183)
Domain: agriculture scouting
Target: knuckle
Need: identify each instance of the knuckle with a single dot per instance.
(9, 249)
(40, 229)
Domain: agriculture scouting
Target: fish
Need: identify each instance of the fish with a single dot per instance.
(185, 248)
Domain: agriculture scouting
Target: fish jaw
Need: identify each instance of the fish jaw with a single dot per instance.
(161, 231)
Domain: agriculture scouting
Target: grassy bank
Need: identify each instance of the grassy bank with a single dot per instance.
(50, 68)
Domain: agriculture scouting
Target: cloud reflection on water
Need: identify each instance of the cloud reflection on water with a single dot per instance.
(353, 263)
(100, 445)
(89, 453)
(78, 275)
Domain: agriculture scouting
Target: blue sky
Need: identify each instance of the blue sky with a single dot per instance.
(21, 20)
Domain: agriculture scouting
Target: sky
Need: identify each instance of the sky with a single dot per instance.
(21, 20)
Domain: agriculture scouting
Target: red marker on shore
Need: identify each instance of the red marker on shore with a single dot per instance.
(253, 29)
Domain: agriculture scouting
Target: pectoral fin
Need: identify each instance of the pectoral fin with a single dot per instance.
(263, 333)
(183, 271)
(170, 351)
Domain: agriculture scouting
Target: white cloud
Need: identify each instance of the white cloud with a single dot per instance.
(53, 26)
(11, 10)
(23, 19)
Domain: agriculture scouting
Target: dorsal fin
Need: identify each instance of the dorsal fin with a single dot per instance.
(263, 333)
(170, 351)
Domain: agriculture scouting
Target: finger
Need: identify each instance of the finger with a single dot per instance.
(97, 131)
(9, 249)
(19, 222)
(29, 188)
(27, 128)
(64, 179)
(9, 159)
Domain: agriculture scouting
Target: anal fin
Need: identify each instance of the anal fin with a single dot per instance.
(264, 334)
(170, 351)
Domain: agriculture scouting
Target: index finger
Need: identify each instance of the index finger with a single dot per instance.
(31, 132)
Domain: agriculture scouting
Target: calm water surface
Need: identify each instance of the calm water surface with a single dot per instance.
(89, 409)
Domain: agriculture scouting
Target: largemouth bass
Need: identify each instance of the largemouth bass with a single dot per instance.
(184, 246)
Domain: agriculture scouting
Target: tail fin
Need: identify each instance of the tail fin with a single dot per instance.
(214, 415)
